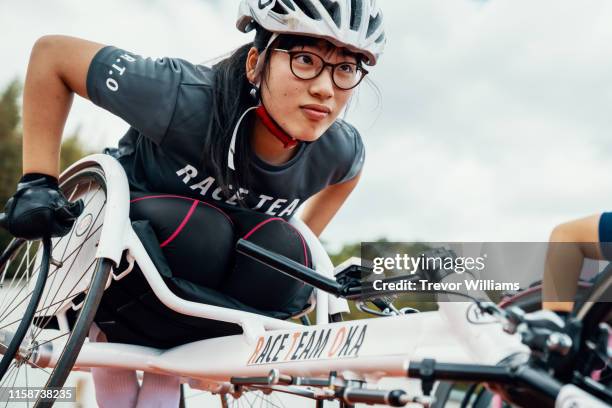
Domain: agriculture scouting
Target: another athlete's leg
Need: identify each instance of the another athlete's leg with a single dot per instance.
(570, 244)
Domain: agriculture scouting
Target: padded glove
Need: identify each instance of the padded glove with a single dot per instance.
(38, 209)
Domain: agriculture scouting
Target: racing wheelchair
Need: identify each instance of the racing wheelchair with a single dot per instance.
(52, 291)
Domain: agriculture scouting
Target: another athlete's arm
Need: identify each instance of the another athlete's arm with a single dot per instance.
(578, 239)
(321, 208)
(57, 69)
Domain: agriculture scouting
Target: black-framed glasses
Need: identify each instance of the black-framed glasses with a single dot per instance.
(308, 65)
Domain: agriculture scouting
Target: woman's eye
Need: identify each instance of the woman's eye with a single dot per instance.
(304, 59)
(347, 68)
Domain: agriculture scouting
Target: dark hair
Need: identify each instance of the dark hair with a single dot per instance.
(231, 97)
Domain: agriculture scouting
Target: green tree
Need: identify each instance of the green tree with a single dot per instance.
(11, 143)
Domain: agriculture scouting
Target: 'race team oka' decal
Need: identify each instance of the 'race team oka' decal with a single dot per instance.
(318, 344)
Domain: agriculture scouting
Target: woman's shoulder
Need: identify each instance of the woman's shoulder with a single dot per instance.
(193, 73)
(340, 150)
(341, 136)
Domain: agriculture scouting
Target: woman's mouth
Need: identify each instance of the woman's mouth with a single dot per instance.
(315, 112)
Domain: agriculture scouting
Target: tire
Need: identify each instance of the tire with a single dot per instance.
(9, 351)
(593, 310)
(74, 287)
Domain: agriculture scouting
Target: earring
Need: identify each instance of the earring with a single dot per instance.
(254, 93)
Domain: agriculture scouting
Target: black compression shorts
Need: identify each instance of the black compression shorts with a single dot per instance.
(198, 241)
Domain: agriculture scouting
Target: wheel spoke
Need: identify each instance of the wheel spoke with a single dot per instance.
(63, 258)
(50, 316)
(50, 340)
(27, 384)
(15, 282)
(69, 235)
(89, 235)
(79, 273)
(41, 310)
(13, 385)
(7, 375)
(52, 273)
(4, 315)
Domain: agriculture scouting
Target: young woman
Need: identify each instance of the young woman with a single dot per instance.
(212, 154)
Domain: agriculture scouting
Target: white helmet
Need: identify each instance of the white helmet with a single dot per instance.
(354, 24)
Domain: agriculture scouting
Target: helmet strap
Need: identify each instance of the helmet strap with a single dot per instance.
(232, 147)
(274, 128)
(270, 124)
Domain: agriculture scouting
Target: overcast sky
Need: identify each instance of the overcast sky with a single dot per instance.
(493, 124)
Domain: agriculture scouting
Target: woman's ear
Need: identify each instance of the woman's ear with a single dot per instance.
(251, 65)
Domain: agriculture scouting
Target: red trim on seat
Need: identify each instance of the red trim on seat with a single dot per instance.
(184, 198)
(261, 224)
(182, 225)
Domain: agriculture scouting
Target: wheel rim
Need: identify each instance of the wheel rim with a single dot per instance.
(258, 398)
(68, 281)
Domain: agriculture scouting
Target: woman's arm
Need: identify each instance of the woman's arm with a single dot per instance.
(570, 244)
(57, 69)
(321, 208)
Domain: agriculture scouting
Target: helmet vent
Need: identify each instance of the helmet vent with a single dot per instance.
(279, 9)
(308, 8)
(380, 38)
(374, 23)
(356, 12)
(333, 10)
(288, 4)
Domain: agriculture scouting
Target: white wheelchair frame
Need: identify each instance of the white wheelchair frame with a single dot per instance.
(387, 344)
(363, 350)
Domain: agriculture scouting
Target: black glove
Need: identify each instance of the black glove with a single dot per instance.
(39, 209)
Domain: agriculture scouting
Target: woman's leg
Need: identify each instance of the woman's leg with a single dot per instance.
(570, 244)
(256, 284)
(115, 387)
(196, 238)
(159, 391)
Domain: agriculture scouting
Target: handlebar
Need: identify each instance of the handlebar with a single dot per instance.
(288, 267)
(523, 375)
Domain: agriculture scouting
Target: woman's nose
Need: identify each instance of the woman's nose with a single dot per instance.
(323, 85)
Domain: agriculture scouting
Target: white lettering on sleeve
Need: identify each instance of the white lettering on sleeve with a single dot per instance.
(112, 84)
(119, 69)
(127, 57)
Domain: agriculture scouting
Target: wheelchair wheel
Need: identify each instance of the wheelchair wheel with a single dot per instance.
(266, 398)
(595, 313)
(48, 347)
